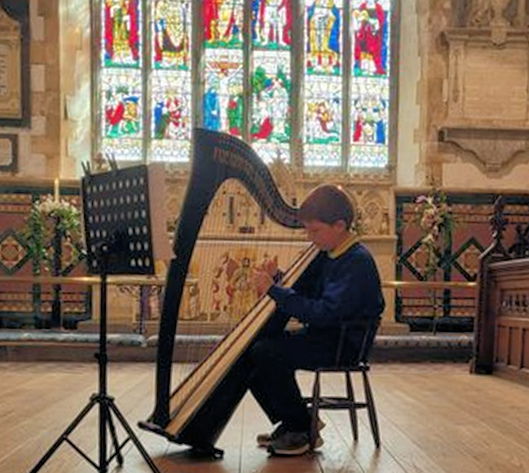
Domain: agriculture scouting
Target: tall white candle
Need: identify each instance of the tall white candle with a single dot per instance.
(56, 190)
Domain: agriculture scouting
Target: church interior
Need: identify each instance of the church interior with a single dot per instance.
(206, 124)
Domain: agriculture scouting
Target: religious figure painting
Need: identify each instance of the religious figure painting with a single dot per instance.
(121, 32)
(323, 111)
(232, 287)
(223, 22)
(172, 24)
(324, 20)
(122, 113)
(271, 94)
(370, 120)
(223, 100)
(272, 24)
(171, 117)
(370, 38)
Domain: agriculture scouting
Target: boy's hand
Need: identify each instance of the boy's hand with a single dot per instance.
(263, 281)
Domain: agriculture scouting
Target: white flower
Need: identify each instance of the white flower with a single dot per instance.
(428, 238)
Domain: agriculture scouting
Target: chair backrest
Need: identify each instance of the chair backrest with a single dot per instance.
(359, 331)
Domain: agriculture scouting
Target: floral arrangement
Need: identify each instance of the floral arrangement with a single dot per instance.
(46, 218)
(436, 221)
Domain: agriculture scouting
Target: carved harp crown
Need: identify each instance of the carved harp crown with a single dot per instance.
(217, 157)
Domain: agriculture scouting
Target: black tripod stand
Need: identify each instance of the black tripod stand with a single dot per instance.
(106, 403)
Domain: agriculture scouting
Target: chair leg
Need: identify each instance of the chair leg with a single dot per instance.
(315, 408)
(352, 406)
(370, 401)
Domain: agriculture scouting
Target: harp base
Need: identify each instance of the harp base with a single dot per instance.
(196, 451)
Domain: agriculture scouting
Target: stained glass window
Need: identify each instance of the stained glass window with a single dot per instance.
(313, 92)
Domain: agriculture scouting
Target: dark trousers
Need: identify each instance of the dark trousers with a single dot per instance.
(267, 368)
(273, 363)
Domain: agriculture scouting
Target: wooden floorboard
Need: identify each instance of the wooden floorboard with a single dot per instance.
(434, 418)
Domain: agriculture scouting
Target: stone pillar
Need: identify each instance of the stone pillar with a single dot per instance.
(383, 249)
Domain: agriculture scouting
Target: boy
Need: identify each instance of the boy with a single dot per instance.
(341, 283)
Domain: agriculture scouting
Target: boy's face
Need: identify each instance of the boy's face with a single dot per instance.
(326, 236)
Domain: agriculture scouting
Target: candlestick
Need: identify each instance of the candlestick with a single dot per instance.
(56, 190)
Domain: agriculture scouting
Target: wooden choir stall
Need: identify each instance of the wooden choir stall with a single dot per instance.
(502, 324)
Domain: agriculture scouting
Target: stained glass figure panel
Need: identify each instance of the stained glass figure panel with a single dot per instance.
(323, 117)
(171, 34)
(271, 92)
(323, 37)
(371, 32)
(272, 24)
(122, 113)
(370, 101)
(223, 97)
(121, 23)
(171, 116)
(223, 23)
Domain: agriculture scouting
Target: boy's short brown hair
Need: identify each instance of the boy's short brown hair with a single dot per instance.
(327, 203)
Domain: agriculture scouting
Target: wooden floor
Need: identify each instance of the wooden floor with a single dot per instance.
(433, 418)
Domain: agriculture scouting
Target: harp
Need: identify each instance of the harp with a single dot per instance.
(197, 411)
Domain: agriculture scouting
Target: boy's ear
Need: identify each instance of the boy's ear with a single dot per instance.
(340, 224)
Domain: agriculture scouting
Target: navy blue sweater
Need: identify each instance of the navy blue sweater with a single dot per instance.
(332, 290)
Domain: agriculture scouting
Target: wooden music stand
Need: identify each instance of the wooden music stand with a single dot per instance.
(124, 235)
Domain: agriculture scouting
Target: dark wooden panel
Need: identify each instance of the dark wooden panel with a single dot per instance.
(506, 311)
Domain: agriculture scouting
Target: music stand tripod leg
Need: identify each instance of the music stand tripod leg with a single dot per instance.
(112, 429)
(133, 437)
(64, 436)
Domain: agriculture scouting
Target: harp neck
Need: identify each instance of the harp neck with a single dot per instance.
(218, 157)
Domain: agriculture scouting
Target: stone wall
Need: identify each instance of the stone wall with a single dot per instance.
(55, 142)
(39, 143)
(472, 92)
